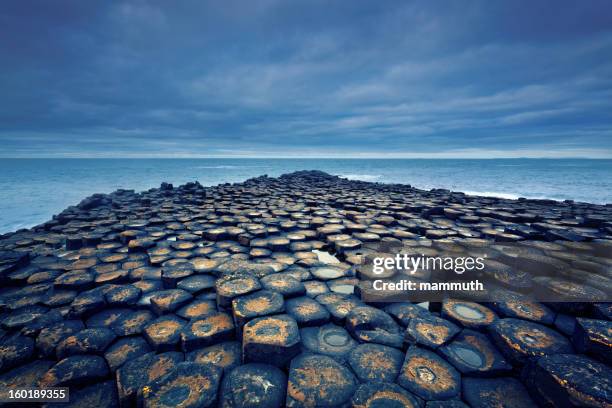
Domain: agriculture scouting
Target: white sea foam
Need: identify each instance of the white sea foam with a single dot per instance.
(362, 177)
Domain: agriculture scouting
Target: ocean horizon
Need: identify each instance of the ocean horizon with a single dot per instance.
(33, 190)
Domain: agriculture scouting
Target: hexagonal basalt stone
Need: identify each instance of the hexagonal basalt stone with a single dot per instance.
(226, 355)
(23, 316)
(315, 288)
(468, 314)
(164, 333)
(124, 295)
(472, 353)
(197, 283)
(491, 392)
(87, 341)
(256, 304)
(339, 305)
(383, 395)
(50, 337)
(513, 305)
(284, 284)
(25, 376)
(197, 309)
(566, 380)
(329, 272)
(212, 329)
(446, 404)
(188, 385)
(403, 312)
(106, 317)
(318, 380)
(143, 370)
(272, 339)
(74, 371)
(371, 325)
(307, 311)
(375, 362)
(87, 303)
(428, 376)
(594, 337)
(15, 351)
(521, 340)
(101, 395)
(167, 301)
(124, 350)
(171, 275)
(253, 385)
(235, 285)
(77, 280)
(430, 331)
(132, 322)
(328, 339)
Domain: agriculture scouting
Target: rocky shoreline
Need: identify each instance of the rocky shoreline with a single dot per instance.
(248, 294)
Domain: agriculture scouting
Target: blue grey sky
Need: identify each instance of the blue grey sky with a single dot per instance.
(283, 78)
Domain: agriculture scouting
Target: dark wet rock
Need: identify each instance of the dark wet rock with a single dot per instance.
(24, 376)
(513, 305)
(234, 285)
(569, 380)
(225, 355)
(446, 404)
(125, 349)
(102, 266)
(429, 330)
(375, 362)
(106, 317)
(473, 354)
(307, 311)
(271, 339)
(318, 380)
(137, 373)
(490, 392)
(15, 351)
(253, 385)
(339, 305)
(196, 284)
(74, 371)
(101, 395)
(207, 331)
(132, 322)
(284, 284)
(167, 301)
(520, 340)
(164, 333)
(468, 314)
(384, 394)
(256, 304)
(124, 295)
(403, 312)
(49, 337)
(86, 341)
(197, 309)
(188, 385)
(329, 339)
(594, 337)
(371, 325)
(429, 376)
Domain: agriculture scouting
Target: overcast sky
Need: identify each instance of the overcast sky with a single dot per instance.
(306, 78)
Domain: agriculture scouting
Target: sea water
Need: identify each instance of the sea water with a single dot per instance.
(33, 190)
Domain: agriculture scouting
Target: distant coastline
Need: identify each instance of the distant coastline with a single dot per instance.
(33, 190)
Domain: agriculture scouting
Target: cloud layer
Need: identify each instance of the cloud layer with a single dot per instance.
(306, 78)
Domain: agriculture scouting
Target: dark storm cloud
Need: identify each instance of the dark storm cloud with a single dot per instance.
(149, 78)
